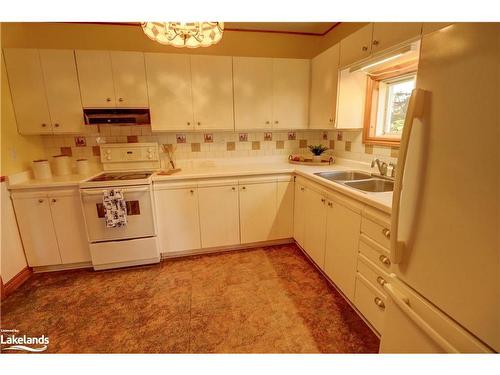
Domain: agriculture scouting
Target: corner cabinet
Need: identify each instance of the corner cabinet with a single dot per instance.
(324, 82)
(271, 93)
(52, 227)
(45, 90)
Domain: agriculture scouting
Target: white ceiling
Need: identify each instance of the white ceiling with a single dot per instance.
(293, 27)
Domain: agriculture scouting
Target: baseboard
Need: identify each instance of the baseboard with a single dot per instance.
(14, 283)
(223, 249)
(62, 267)
(338, 290)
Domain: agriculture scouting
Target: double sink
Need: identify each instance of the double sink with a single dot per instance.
(364, 182)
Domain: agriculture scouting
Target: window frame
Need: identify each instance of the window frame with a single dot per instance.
(371, 108)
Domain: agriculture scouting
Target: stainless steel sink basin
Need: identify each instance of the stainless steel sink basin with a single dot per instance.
(344, 175)
(372, 185)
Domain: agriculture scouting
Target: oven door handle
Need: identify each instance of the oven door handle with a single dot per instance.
(100, 192)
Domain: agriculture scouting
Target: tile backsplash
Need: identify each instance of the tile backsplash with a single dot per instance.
(218, 144)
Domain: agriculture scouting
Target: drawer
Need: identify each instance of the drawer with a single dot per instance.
(376, 231)
(374, 252)
(370, 302)
(374, 274)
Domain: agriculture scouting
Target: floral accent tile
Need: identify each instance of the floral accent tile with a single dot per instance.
(292, 136)
(180, 138)
(268, 136)
(80, 142)
(324, 136)
(208, 138)
(340, 136)
(243, 137)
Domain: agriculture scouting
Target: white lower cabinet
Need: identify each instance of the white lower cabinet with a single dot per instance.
(283, 222)
(51, 226)
(219, 215)
(315, 227)
(177, 218)
(257, 210)
(299, 212)
(341, 252)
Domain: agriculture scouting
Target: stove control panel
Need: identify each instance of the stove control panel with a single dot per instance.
(126, 155)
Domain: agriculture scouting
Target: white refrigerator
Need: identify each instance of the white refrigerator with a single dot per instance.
(445, 231)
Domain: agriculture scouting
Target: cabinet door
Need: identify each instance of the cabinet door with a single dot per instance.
(291, 79)
(389, 34)
(212, 85)
(324, 79)
(169, 91)
(177, 219)
(37, 231)
(315, 227)
(356, 46)
(342, 236)
(63, 90)
(129, 78)
(28, 91)
(299, 213)
(67, 216)
(351, 100)
(96, 79)
(253, 92)
(257, 211)
(219, 216)
(283, 222)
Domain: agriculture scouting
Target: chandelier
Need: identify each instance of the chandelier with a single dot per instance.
(184, 34)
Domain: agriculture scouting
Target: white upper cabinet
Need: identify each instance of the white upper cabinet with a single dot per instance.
(45, 91)
(356, 46)
(28, 91)
(129, 77)
(212, 90)
(96, 79)
(291, 93)
(112, 79)
(62, 89)
(253, 92)
(389, 34)
(169, 88)
(324, 81)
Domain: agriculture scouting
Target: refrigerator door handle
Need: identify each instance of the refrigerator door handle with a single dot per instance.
(403, 303)
(415, 110)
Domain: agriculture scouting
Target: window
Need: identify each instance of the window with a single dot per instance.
(387, 97)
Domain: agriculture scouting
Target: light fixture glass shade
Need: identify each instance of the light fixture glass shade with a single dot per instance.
(184, 34)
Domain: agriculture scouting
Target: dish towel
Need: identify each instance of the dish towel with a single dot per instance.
(115, 208)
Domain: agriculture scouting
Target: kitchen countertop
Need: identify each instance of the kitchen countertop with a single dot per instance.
(381, 201)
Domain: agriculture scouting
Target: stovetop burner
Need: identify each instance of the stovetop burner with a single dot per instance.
(115, 176)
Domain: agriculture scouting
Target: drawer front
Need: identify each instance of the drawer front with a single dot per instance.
(375, 275)
(377, 232)
(370, 303)
(374, 252)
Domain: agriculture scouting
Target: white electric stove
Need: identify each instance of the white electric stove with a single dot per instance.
(128, 167)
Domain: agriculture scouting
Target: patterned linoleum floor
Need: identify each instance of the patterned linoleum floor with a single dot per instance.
(264, 300)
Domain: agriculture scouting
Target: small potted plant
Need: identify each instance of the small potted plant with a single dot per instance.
(317, 150)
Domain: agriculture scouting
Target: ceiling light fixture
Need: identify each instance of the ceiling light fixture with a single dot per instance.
(184, 34)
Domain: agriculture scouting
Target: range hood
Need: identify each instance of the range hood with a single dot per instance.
(116, 116)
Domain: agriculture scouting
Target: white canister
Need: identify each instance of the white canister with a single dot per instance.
(41, 169)
(62, 165)
(82, 167)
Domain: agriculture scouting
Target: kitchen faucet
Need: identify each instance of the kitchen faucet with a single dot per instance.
(381, 165)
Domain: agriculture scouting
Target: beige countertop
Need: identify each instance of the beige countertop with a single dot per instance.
(381, 201)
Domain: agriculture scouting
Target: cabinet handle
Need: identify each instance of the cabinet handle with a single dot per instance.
(54, 200)
(191, 191)
(44, 125)
(387, 233)
(233, 188)
(267, 122)
(56, 125)
(375, 42)
(330, 204)
(276, 122)
(381, 280)
(379, 303)
(199, 123)
(323, 200)
(108, 99)
(40, 201)
(364, 48)
(244, 188)
(331, 120)
(385, 260)
(189, 123)
(302, 189)
(120, 99)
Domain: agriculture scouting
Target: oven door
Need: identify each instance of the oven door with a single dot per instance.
(140, 218)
